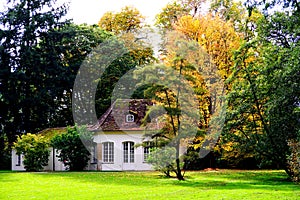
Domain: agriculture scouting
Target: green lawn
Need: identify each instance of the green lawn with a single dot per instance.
(224, 184)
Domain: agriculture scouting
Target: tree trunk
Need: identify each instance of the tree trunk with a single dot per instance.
(178, 169)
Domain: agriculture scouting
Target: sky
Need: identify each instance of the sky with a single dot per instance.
(90, 11)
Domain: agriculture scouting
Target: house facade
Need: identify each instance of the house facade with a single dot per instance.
(53, 164)
(118, 138)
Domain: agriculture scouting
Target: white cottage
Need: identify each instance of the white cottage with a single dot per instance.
(118, 135)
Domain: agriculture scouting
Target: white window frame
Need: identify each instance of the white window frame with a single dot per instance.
(94, 154)
(146, 153)
(129, 118)
(19, 159)
(128, 152)
(108, 152)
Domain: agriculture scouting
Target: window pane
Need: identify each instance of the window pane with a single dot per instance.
(147, 146)
(129, 118)
(125, 152)
(131, 152)
(94, 154)
(128, 152)
(18, 160)
(111, 150)
(146, 153)
(108, 152)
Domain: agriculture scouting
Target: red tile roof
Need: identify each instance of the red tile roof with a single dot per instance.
(115, 117)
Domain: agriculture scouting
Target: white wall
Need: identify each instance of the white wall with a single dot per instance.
(14, 162)
(118, 139)
(59, 166)
(118, 165)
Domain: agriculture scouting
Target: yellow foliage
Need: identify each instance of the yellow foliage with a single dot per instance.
(129, 19)
(215, 35)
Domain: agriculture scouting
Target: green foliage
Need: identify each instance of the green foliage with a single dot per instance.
(24, 100)
(39, 63)
(5, 155)
(115, 71)
(72, 147)
(40, 55)
(266, 80)
(64, 50)
(35, 149)
(169, 15)
(172, 87)
(128, 25)
(163, 160)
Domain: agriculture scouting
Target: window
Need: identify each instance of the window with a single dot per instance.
(146, 153)
(94, 154)
(18, 162)
(147, 148)
(108, 152)
(129, 118)
(128, 152)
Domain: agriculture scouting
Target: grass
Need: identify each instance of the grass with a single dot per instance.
(224, 184)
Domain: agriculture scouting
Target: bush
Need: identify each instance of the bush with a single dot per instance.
(35, 149)
(70, 148)
(163, 160)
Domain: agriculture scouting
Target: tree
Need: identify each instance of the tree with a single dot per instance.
(64, 50)
(35, 149)
(23, 24)
(51, 72)
(174, 87)
(132, 58)
(129, 27)
(294, 159)
(163, 160)
(72, 147)
(169, 15)
(265, 79)
(217, 37)
(129, 19)
(236, 13)
(194, 6)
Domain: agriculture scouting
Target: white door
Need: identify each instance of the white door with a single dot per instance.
(128, 156)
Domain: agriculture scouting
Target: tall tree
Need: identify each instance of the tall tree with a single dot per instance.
(174, 87)
(266, 80)
(63, 51)
(23, 24)
(215, 35)
(218, 38)
(129, 26)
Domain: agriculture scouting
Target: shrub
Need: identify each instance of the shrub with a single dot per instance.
(35, 149)
(163, 160)
(70, 148)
